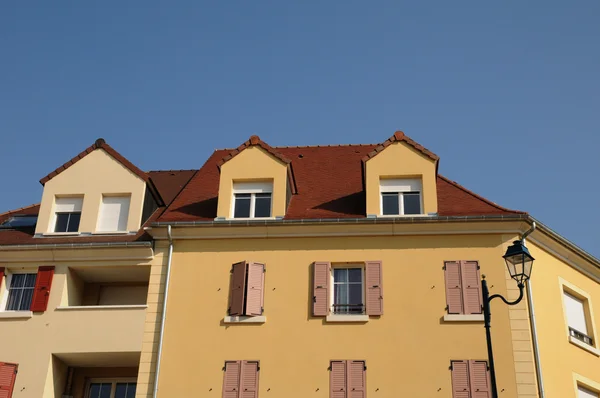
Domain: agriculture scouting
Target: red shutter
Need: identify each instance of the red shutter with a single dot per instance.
(8, 374)
(479, 377)
(337, 379)
(1, 276)
(255, 290)
(454, 296)
(231, 379)
(321, 276)
(374, 281)
(249, 379)
(357, 379)
(460, 380)
(471, 284)
(41, 293)
(238, 289)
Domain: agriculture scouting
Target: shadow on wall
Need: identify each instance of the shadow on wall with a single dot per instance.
(203, 209)
(353, 204)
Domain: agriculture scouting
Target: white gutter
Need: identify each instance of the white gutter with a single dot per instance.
(164, 313)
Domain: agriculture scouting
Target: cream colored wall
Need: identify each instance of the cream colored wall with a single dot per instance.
(94, 175)
(408, 350)
(399, 160)
(253, 164)
(560, 359)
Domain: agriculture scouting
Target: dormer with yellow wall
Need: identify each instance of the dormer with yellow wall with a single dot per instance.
(96, 192)
(400, 179)
(256, 182)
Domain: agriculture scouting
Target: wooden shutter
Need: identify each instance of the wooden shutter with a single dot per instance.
(460, 380)
(471, 287)
(8, 374)
(255, 289)
(1, 276)
(454, 296)
(237, 290)
(337, 379)
(373, 282)
(321, 276)
(479, 378)
(249, 379)
(231, 379)
(41, 293)
(356, 379)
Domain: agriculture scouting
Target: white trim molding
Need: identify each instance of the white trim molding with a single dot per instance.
(347, 318)
(584, 346)
(245, 319)
(15, 314)
(463, 317)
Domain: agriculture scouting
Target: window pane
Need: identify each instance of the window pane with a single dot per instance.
(262, 205)
(94, 390)
(390, 203)
(61, 222)
(18, 280)
(26, 298)
(242, 206)
(30, 280)
(340, 295)
(340, 275)
(412, 203)
(355, 293)
(74, 222)
(131, 387)
(354, 275)
(105, 390)
(121, 391)
(14, 299)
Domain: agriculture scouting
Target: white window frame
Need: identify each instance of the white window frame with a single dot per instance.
(585, 383)
(400, 186)
(112, 380)
(332, 287)
(6, 288)
(571, 289)
(100, 213)
(251, 188)
(77, 208)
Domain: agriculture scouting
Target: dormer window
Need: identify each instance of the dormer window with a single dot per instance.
(252, 199)
(67, 214)
(400, 197)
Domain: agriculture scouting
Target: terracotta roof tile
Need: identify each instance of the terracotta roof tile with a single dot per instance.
(398, 137)
(253, 141)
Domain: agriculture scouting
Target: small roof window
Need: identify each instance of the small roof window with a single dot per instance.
(19, 222)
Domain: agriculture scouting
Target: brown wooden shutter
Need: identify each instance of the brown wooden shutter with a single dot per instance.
(454, 296)
(231, 379)
(374, 285)
(321, 276)
(337, 379)
(255, 289)
(8, 375)
(357, 379)
(460, 380)
(471, 284)
(41, 293)
(249, 379)
(237, 291)
(479, 378)
(1, 276)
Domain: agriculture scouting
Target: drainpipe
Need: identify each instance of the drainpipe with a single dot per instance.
(532, 323)
(164, 312)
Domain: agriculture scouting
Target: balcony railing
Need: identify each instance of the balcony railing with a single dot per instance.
(581, 336)
(354, 309)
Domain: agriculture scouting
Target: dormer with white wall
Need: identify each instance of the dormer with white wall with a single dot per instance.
(400, 179)
(256, 182)
(96, 192)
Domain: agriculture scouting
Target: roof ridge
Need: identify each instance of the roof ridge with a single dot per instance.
(254, 140)
(19, 209)
(322, 146)
(397, 137)
(166, 171)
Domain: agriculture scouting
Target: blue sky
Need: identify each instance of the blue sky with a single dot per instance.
(506, 93)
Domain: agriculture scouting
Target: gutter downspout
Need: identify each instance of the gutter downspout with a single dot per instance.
(532, 323)
(164, 313)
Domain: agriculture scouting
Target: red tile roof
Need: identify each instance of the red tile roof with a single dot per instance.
(254, 141)
(399, 136)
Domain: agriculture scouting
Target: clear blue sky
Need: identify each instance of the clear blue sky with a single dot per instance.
(506, 93)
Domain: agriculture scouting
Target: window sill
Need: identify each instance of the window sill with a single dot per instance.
(61, 234)
(463, 318)
(101, 307)
(347, 318)
(250, 219)
(245, 319)
(15, 314)
(401, 215)
(584, 346)
(110, 233)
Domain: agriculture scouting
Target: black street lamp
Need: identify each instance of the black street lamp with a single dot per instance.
(519, 263)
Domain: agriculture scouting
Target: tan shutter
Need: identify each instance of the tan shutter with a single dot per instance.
(255, 289)
(480, 381)
(321, 276)
(231, 379)
(460, 380)
(8, 374)
(454, 295)
(238, 288)
(337, 379)
(357, 379)
(471, 283)
(374, 286)
(249, 379)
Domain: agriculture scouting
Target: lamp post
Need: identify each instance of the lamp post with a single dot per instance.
(519, 263)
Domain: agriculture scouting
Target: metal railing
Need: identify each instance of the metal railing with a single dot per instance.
(581, 336)
(354, 309)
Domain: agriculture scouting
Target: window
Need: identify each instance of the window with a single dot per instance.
(67, 214)
(252, 199)
(8, 374)
(585, 393)
(348, 291)
(463, 287)
(114, 213)
(20, 292)
(575, 308)
(470, 379)
(116, 388)
(246, 292)
(241, 376)
(400, 196)
(347, 379)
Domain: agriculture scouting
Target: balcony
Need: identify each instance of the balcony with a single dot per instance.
(581, 336)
